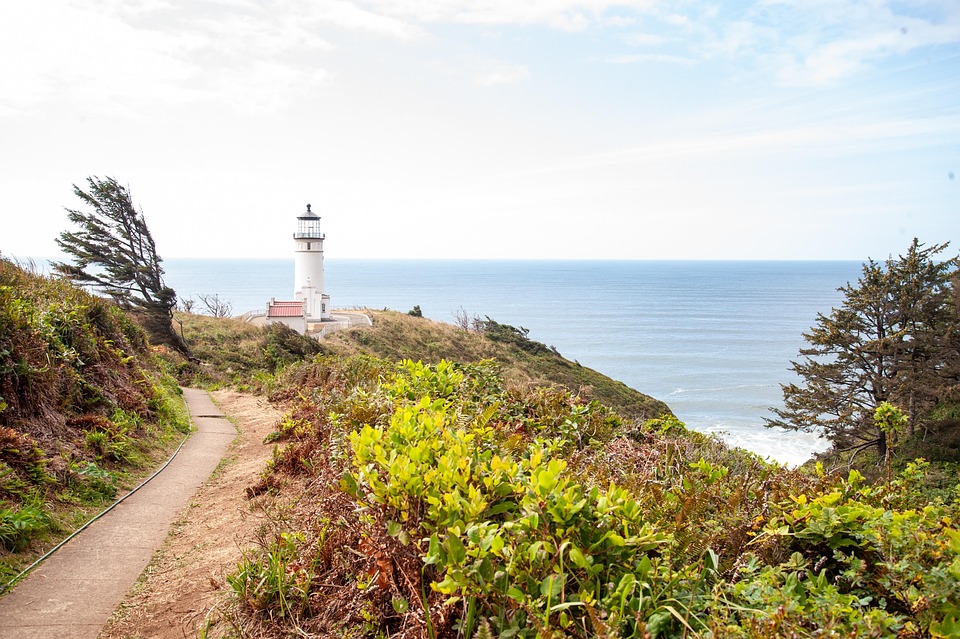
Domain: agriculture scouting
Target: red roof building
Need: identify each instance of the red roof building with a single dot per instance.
(292, 314)
(285, 309)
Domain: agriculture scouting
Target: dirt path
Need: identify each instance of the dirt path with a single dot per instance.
(186, 576)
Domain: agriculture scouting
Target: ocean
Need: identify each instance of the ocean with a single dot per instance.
(713, 340)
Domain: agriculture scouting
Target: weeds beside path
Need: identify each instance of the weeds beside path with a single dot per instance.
(185, 578)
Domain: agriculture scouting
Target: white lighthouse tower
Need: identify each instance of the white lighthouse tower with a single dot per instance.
(308, 267)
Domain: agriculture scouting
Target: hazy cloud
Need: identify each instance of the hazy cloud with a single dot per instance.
(828, 60)
(483, 70)
(493, 73)
(636, 58)
(645, 39)
(107, 61)
(348, 15)
(561, 14)
(121, 58)
(778, 140)
(174, 53)
(820, 42)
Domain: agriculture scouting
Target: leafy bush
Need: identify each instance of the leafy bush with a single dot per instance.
(476, 508)
(18, 525)
(882, 552)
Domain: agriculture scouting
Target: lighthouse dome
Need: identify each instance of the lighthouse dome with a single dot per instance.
(308, 226)
(309, 214)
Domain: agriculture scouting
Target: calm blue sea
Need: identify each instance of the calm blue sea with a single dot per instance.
(713, 340)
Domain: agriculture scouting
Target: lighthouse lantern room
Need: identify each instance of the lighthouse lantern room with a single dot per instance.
(308, 267)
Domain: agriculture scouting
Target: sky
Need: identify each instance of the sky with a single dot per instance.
(541, 129)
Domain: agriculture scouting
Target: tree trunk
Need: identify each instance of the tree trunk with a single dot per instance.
(912, 414)
(882, 448)
(158, 323)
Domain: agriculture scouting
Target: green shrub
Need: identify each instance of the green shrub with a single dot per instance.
(18, 525)
(96, 485)
(520, 542)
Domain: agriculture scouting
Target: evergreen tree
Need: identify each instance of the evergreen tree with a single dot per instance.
(114, 253)
(927, 315)
(888, 342)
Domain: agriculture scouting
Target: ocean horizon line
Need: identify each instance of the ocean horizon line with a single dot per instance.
(527, 259)
(46, 261)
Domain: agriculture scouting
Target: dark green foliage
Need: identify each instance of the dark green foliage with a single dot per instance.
(512, 335)
(114, 253)
(283, 346)
(415, 311)
(893, 339)
(18, 525)
(63, 351)
(92, 484)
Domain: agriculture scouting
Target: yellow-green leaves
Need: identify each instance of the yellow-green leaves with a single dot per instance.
(496, 525)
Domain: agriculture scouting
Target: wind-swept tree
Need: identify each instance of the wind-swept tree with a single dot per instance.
(114, 253)
(887, 342)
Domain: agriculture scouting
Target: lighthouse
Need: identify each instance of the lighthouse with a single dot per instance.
(308, 267)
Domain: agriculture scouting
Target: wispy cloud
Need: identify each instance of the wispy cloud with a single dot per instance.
(568, 15)
(349, 15)
(823, 42)
(794, 42)
(126, 58)
(173, 53)
(826, 139)
(72, 55)
(635, 58)
(501, 74)
(483, 70)
(828, 60)
(646, 39)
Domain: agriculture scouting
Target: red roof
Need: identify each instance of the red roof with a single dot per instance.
(285, 309)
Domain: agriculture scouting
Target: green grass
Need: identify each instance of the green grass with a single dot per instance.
(230, 352)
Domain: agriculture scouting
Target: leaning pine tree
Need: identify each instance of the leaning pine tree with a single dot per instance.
(888, 342)
(114, 253)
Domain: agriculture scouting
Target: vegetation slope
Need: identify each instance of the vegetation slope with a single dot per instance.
(495, 490)
(461, 497)
(247, 356)
(82, 407)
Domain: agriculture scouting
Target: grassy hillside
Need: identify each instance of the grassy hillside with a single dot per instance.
(395, 336)
(232, 352)
(82, 406)
(501, 490)
(412, 500)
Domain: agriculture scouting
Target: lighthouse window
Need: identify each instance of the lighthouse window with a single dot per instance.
(308, 246)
